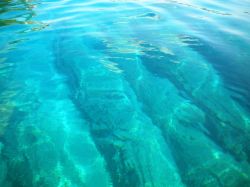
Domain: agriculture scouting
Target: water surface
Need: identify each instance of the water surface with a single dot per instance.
(124, 93)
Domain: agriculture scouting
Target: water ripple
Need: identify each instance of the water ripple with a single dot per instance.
(130, 92)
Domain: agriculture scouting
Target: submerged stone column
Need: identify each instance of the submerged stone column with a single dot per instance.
(133, 147)
(200, 161)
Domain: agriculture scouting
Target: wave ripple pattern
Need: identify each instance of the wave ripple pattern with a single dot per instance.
(124, 93)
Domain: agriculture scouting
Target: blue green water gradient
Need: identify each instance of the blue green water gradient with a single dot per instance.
(124, 93)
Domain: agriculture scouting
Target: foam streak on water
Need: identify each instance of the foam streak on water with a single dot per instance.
(124, 93)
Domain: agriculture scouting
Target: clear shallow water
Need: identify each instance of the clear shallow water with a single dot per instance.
(124, 93)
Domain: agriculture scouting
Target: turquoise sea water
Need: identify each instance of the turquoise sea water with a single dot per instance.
(124, 93)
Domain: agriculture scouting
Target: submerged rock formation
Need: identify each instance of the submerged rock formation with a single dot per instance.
(133, 147)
